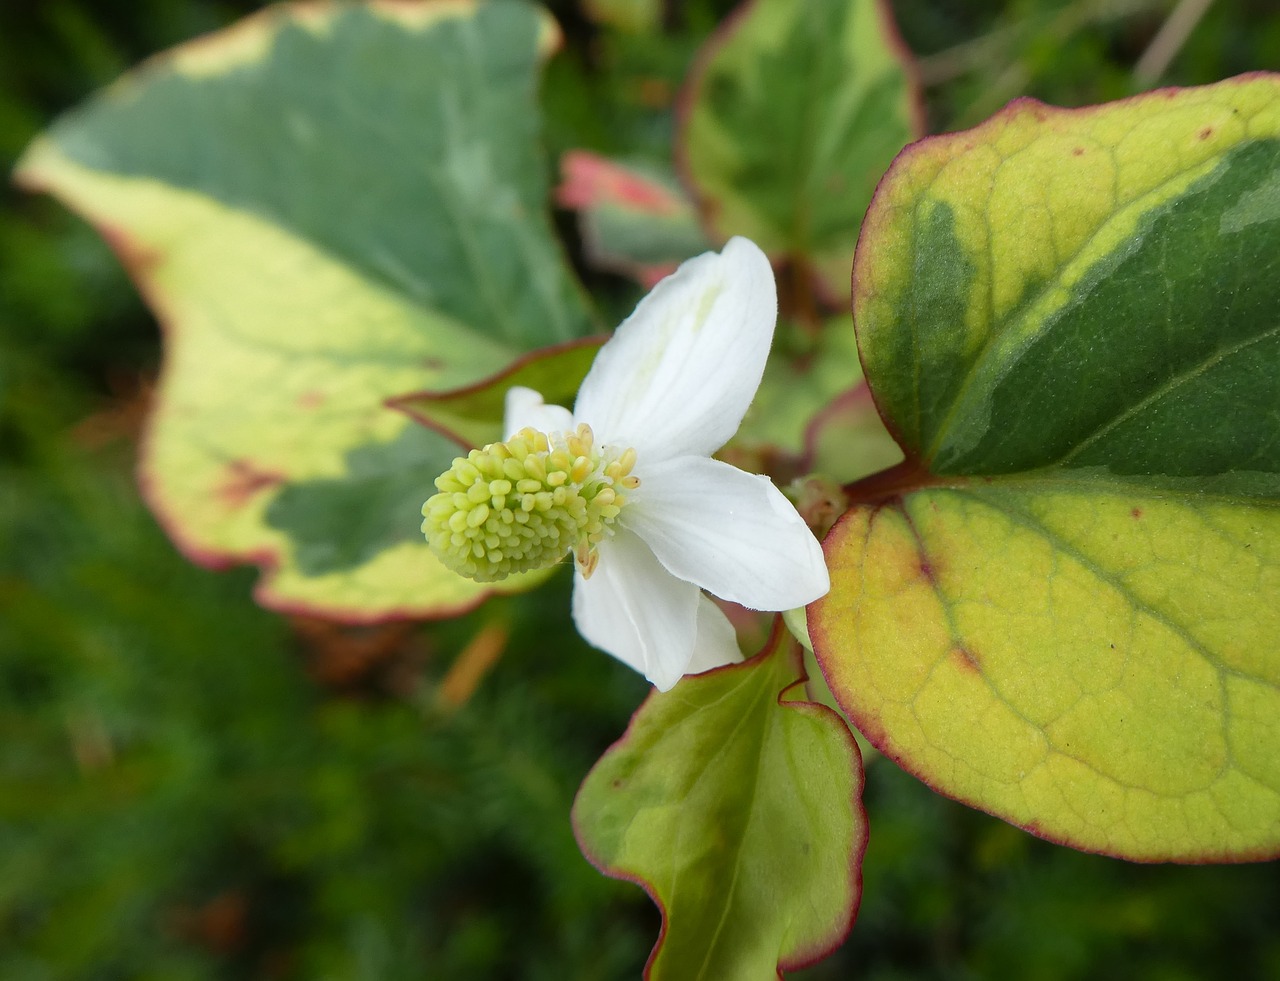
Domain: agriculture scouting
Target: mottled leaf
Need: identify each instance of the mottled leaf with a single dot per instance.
(1064, 607)
(326, 205)
(795, 113)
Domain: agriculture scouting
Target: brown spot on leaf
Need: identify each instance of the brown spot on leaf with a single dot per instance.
(965, 659)
(312, 400)
(927, 571)
(1078, 152)
(1206, 132)
(242, 480)
(1136, 514)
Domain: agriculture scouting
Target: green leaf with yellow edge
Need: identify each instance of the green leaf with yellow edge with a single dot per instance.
(795, 113)
(737, 807)
(326, 205)
(1064, 607)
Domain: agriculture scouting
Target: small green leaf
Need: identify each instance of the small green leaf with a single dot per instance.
(797, 111)
(472, 416)
(636, 219)
(1064, 608)
(327, 205)
(739, 810)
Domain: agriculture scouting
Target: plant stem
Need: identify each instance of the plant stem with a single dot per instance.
(1164, 47)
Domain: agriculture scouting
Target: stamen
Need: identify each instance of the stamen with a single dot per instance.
(524, 504)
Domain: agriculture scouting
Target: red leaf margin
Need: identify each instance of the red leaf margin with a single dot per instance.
(802, 958)
(405, 403)
(137, 262)
(889, 488)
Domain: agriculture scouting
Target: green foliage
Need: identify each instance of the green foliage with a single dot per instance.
(748, 882)
(178, 794)
(444, 264)
(1063, 605)
(193, 788)
(789, 157)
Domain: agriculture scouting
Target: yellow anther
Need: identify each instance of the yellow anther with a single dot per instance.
(586, 559)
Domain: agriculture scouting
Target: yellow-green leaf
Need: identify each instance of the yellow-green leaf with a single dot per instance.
(326, 205)
(1064, 607)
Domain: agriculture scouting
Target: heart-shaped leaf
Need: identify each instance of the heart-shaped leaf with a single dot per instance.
(738, 808)
(1064, 607)
(326, 205)
(790, 157)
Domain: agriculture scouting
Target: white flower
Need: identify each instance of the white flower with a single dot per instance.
(626, 481)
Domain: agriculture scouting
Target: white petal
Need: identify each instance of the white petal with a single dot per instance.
(525, 407)
(730, 532)
(717, 643)
(677, 376)
(635, 610)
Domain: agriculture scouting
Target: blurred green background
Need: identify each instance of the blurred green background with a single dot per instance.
(191, 787)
